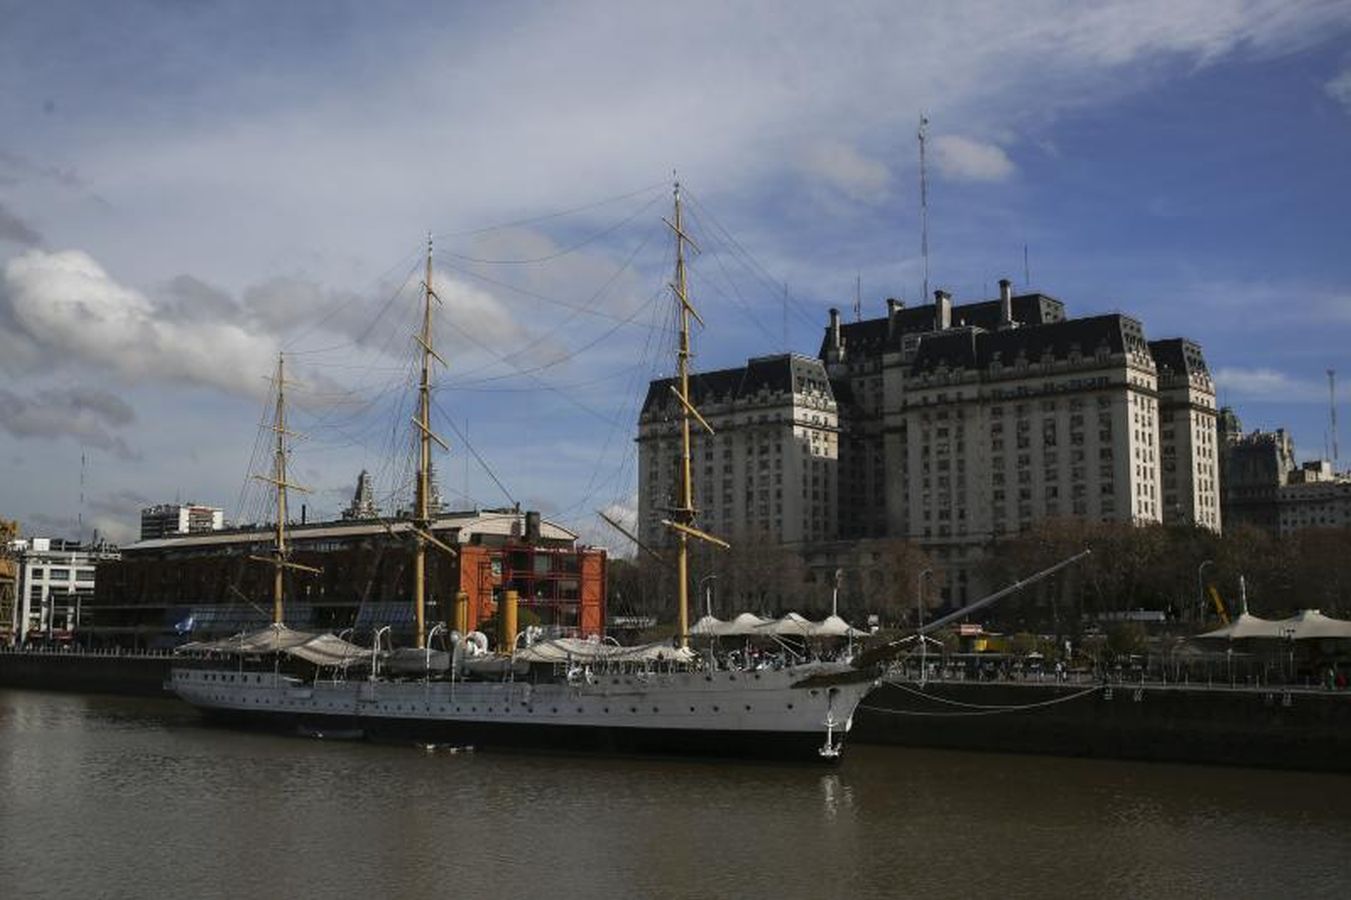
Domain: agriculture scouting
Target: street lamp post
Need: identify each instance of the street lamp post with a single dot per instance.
(835, 593)
(919, 631)
(708, 593)
(1201, 589)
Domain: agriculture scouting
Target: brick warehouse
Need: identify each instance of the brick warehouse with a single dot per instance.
(206, 585)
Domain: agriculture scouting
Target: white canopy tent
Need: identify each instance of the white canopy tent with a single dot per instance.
(791, 625)
(834, 626)
(744, 624)
(1310, 624)
(1307, 624)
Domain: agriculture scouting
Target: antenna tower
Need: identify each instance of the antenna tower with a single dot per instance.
(924, 205)
(1332, 412)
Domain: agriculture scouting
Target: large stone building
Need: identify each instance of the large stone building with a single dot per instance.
(1188, 434)
(998, 414)
(769, 470)
(1264, 486)
(952, 426)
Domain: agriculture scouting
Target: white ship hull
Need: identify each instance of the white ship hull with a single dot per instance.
(768, 713)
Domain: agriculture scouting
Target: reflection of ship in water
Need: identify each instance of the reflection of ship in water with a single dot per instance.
(534, 688)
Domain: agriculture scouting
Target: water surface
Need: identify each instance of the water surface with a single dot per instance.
(117, 797)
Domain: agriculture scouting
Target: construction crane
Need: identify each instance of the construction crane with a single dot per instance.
(1218, 603)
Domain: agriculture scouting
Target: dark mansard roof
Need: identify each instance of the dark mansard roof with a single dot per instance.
(972, 348)
(772, 374)
(1178, 356)
(873, 336)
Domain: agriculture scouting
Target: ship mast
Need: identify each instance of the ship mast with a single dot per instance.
(682, 520)
(280, 551)
(422, 514)
(279, 472)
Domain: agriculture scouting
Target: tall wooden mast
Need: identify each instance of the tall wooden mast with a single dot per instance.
(682, 520)
(280, 550)
(422, 514)
(279, 474)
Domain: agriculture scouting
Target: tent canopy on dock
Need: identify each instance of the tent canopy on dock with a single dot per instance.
(791, 625)
(1305, 625)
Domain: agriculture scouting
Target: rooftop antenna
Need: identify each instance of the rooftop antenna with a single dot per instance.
(1027, 270)
(785, 317)
(1332, 412)
(858, 297)
(923, 205)
(79, 516)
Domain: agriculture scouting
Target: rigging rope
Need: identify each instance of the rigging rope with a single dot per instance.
(470, 447)
(972, 709)
(561, 253)
(555, 215)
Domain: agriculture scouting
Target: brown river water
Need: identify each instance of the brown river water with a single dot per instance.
(117, 797)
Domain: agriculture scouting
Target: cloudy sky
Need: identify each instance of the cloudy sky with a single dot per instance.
(189, 188)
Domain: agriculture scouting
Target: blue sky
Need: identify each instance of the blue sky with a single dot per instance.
(187, 188)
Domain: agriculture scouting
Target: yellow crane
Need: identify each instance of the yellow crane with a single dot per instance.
(8, 578)
(1218, 603)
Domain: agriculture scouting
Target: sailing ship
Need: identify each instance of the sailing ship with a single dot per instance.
(555, 693)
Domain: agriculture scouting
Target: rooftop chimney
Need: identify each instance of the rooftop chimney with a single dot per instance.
(942, 310)
(1005, 303)
(835, 341)
(893, 306)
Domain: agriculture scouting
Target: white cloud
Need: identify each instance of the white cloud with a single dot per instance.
(71, 310)
(843, 167)
(963, 159)
(299, 171)
(1267, 384)
(478, 317)
(1339, 89)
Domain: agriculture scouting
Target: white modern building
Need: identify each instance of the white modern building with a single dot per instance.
(55, 579)
(168, 519)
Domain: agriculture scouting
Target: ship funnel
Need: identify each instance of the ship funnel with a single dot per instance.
(506, 623)
(462, 612)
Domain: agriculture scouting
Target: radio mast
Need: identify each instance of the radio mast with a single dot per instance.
(1332, 412)
(923, 206)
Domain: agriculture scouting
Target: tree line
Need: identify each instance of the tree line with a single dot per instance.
(1165, 568)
